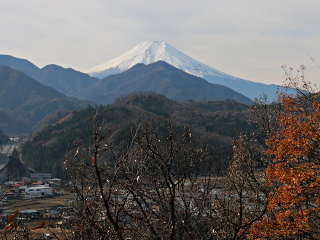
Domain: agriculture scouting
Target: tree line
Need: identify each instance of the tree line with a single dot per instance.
(216, 122)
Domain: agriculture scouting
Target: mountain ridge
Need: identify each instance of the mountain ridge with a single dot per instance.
(159, 77)
(20, 64)
(26, 101)
(216, 122)
(66, 80)
(71, 82)
(151, 51)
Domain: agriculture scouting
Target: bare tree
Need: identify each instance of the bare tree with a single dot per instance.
(242, 199)
(157, 188)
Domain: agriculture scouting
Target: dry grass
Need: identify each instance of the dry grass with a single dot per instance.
(38, 204)
(55, 233)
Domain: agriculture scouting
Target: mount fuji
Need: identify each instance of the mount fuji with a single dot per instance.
(152, 51)
(149, 52)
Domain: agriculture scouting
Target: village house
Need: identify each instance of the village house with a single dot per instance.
(38, 191)
(41, 175)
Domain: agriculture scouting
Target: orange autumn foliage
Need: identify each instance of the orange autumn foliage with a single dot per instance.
(12, 217)
(40, 226)
(10, 223)
(294, 173)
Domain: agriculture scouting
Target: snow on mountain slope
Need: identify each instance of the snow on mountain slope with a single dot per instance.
(149, 52)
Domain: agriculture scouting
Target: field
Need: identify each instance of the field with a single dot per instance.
(39, 204)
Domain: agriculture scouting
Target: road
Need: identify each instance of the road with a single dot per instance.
(6, 152)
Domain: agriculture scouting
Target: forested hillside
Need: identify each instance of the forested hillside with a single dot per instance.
(12, 125)
(216, 123)
(3, 138)
(24, 102)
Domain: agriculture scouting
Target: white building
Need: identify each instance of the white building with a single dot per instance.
(39, 191)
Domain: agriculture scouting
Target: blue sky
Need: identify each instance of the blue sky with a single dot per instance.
(250, 39)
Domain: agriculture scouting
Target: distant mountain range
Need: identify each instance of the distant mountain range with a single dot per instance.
(149, 67)
(152, 51)
(20, 64)
(24, 102)
(65, 80)
(74, 83)
(159, 77)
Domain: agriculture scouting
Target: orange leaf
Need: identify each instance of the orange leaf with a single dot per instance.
(40, 226)
(13, 216)
(7, 228)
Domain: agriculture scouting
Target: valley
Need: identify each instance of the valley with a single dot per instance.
(6, 151)
(152, 140)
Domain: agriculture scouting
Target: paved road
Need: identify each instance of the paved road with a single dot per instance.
(6, 152)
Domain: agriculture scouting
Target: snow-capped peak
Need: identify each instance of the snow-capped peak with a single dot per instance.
(152, 51)
(149, 52)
